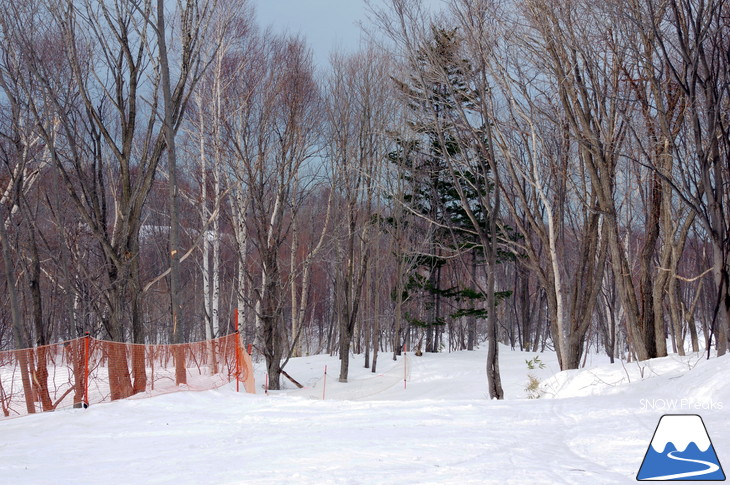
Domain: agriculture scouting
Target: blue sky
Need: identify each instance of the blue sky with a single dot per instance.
(326, 24)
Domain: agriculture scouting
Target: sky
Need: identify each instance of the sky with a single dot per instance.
(326, 24)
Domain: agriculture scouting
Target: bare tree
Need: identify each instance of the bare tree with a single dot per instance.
(96, 91)
(230, 30)
(23, 163)
(273, 137)
(692, 39)
(594, 96)
(194, 17)
(358, 112)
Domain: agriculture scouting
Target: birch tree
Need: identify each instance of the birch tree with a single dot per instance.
(231, 29)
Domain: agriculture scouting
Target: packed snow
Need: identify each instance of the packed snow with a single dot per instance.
(417, 420)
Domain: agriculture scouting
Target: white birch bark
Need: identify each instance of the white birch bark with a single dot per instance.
(240, 228)
(215, 290)
(204, 214)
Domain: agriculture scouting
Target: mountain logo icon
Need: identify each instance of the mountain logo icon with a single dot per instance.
(681, 450)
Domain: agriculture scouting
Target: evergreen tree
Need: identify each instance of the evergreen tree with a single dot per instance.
(438, 87)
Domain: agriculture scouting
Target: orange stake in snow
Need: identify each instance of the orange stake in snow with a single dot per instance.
(238, 357)
(86, 372)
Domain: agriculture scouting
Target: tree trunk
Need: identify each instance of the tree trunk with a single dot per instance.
(721, 321)
(178, 322)
(270, 316)
(376, 321)
(40, 374)
(19, 334)
(494, 381)
(239, 211)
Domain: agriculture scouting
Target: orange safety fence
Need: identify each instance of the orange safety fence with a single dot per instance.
(85, 371)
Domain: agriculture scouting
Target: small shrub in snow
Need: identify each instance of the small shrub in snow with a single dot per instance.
(533, 387)
(535, 363)
(533, 384)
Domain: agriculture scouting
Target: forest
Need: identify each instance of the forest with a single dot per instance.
(543, 174)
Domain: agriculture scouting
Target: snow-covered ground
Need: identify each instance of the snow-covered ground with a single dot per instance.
(591, 426)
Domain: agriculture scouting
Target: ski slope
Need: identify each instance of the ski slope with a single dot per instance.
(591, 426)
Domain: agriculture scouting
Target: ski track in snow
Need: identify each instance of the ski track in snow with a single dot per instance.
(440, 430)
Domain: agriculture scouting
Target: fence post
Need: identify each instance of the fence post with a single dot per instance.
(87, 339)
(238, 355)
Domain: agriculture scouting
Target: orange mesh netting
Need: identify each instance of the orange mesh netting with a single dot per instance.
(90, 371)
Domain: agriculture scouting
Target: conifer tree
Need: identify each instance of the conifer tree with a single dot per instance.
(436, 90)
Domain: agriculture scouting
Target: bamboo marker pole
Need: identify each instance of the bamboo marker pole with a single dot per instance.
(324, 387)
(405, 366)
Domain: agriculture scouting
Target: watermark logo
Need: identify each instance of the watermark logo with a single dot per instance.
(680, 405)
(681, 450)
